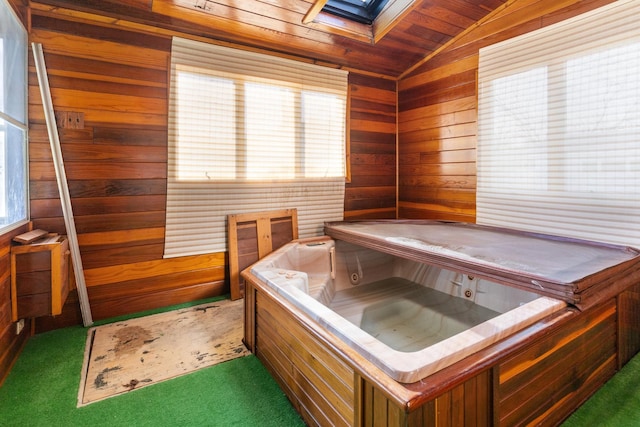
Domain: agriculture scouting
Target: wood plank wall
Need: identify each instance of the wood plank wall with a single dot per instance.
(371, 192)
(10, 342)
(437, 112)
(114, 78)
(115, 161)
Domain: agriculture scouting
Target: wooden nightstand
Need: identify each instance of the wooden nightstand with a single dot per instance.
(39, 278)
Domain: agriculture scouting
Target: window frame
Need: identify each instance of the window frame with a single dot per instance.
(387, 18)
(363, 12)
(18, 144)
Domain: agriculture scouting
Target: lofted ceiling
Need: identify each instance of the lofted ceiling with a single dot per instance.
(278, 25)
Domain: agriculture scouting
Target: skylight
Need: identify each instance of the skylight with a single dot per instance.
(362, 11)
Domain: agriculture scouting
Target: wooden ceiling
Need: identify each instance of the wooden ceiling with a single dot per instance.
(277, 25)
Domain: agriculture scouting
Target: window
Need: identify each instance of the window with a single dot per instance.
(13, 120)
(559, 128)
(364, 20)
(255, 130)
(250, 132)
(362, 11)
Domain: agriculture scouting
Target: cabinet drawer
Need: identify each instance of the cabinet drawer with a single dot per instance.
(39, 278)
(35, 305)
(36, 282)
(28, 262)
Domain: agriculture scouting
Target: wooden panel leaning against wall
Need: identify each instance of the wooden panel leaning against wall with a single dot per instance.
(437, 112)
(116, 78)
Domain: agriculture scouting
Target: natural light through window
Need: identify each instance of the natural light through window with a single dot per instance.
(232, 129)
(3, 145)
(603, 112)
(3, 174)
(324, 151)
(519, 125)
(13, 120)
(250, 132)
(271, 138)
(213, 123)
(559, 128)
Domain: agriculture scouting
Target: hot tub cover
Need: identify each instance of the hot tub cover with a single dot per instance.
(577, 271)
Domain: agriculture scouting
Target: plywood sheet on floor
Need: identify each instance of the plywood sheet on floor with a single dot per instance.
(127, 355)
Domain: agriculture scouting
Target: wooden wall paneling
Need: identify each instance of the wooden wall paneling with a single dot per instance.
(371, 193)
(21, 7)
(279, 28)
(156, 269)
(127, 303)
(71, 315)
(116, 165)
(437, 112)
(10, 343)
(437, 120)
(138, 286)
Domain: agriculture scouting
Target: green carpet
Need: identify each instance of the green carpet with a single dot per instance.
(42, 390)
(616, 404)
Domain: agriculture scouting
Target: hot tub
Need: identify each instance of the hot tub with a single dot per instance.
(409, 318)
(407, 322)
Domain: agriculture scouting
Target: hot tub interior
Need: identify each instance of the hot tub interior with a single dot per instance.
(408, 305)
(407, 316)
(391, 308)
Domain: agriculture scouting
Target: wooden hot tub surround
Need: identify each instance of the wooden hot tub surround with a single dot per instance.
(538, 375)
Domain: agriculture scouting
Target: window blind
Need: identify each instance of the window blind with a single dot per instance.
(559, 128)
(250, 132)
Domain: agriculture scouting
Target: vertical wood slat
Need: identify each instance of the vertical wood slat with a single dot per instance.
(380, 407)
(249, 337)
(319, 384)
(544, 382)
(629, 324)
(464, 405)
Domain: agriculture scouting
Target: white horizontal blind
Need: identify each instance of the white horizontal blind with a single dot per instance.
(559, 128)
(250, 132)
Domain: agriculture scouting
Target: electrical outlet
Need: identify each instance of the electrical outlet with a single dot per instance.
(19, 326)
